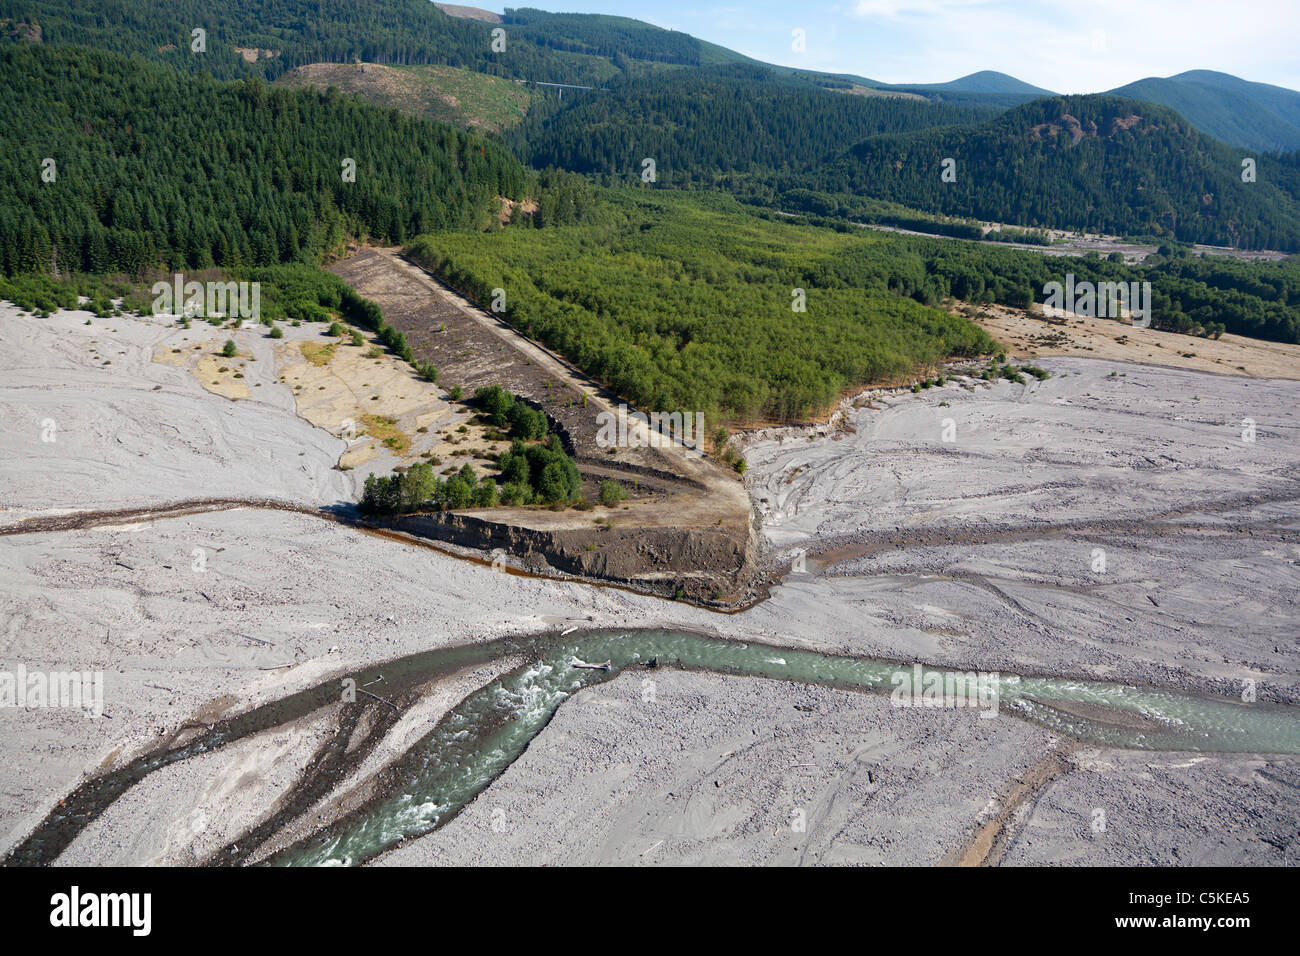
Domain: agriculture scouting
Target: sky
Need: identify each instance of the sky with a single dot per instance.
(1068, 46)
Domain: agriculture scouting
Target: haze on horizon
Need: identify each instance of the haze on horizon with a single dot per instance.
(1049, 43)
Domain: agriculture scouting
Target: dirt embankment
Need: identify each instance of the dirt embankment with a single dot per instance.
(708, 564)
(686, 527)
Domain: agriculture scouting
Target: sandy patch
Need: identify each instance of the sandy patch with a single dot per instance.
(375, 402)
(1030, 335)
(222, 375)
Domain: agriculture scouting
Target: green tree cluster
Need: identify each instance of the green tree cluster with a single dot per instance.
(504, 409)
(418, 488)
(540, 472)
(686, 303)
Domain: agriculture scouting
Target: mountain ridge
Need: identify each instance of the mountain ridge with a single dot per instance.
(1092, 161)
(1238, 112)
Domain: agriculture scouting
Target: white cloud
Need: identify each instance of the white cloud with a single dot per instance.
(1049, 43)
(895, 9)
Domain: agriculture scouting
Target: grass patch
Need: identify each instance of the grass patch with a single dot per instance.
(386, 431)
(316, 353)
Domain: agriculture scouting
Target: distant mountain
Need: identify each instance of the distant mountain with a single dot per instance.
(986, 90)
(985, 81)
(1097, 162)
(1248, 115)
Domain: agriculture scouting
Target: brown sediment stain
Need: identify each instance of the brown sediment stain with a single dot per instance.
(989, 842)
(831, 554)
(81, 520)
(451, 550)
(215, 709)
(358, 730)
(294, 816)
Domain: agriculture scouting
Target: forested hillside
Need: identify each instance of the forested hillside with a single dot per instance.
(614, 37)
(673, 300)
(709, 116)
(558, 48)
(1100, 163)
(151, 166)
(292, 33)
(701, 124)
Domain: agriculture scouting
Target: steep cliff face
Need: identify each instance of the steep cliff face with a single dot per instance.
(708, 565)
